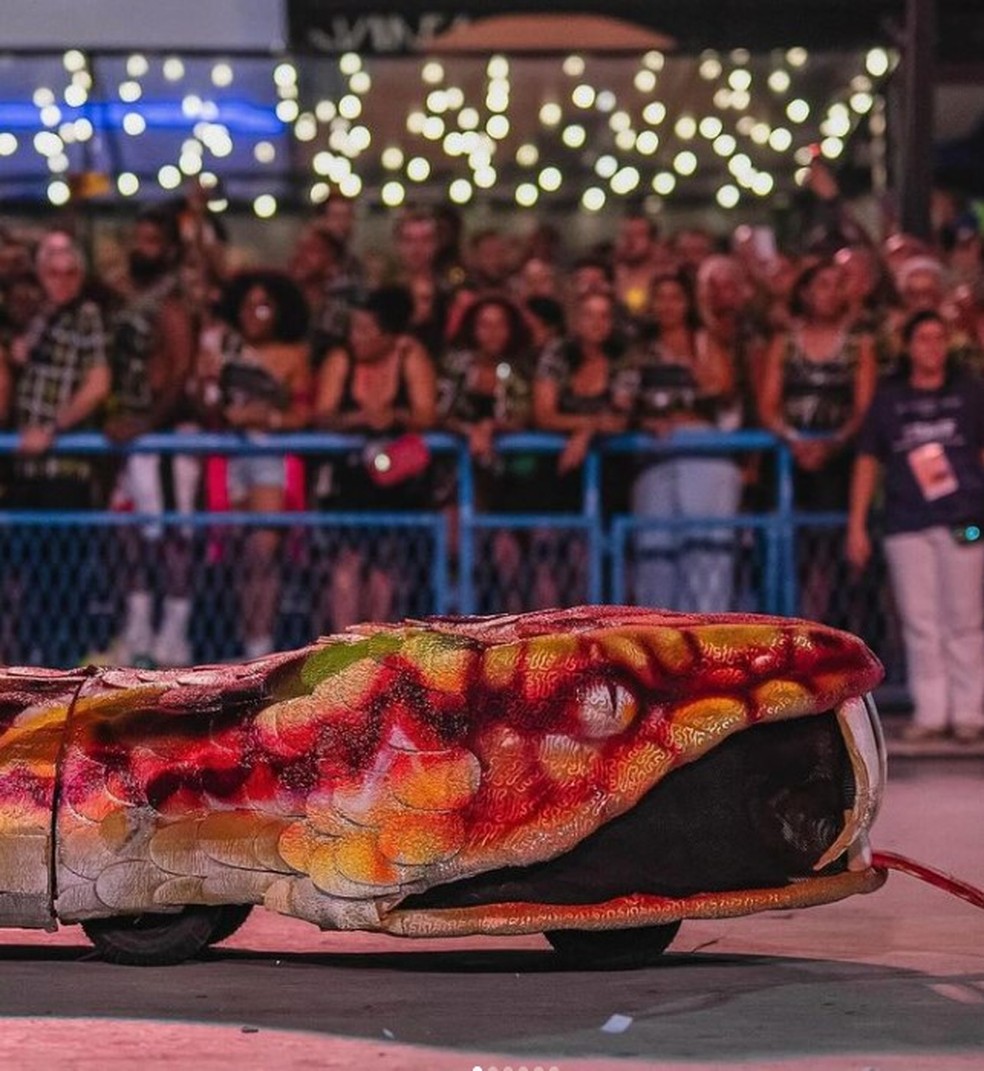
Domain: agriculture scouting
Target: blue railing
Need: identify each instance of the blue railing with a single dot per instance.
(768, 546)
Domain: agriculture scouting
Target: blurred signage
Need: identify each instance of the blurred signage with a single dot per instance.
(315, 26)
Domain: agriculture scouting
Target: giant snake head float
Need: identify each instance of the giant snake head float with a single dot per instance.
(599, 769)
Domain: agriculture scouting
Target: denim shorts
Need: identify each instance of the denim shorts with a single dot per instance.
(249, 472)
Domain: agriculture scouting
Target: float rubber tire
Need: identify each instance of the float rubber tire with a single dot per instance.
(153, 940)
(640, 946)
(231, 917)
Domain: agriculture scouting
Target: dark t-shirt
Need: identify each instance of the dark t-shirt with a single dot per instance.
(930, 443)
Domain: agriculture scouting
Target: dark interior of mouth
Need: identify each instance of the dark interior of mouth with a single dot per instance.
(755, 812)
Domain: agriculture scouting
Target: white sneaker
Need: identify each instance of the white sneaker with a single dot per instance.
(171, 646)
(258, 647)
(133, 645)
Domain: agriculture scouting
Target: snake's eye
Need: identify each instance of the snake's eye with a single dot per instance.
(606, 708)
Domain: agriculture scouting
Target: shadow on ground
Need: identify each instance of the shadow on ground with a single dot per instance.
(699, 1006)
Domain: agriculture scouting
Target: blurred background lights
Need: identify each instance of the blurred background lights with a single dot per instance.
(644, 81)
(831, 147)
(654, 60)
(320, 192)
(722, 98)
(654, 112)
(460, 191)
(498, 127)
(137, 65)
(573, 66)
(497, 67)
(173, 69)
(58, 192)
(685, 127)
(8, 144)
(625, 180)
(51, 115)
(58, 163)
(222, 75)
(862, 102)
(780, 139)
(797, 57)
(710, 127)
(606, 166)
(73, 60)
(392, 158)
(762, 184)
(350, 63)
(393, 194)
(550, 179)
(415, 122)
(285, 74)
(606, 100)
(779, 81)
(360, 82)
(455, 97)
(620, 120)
(647, 143)
(43, 97)
(134, 123)
(527, 194)
(468, 118)
(685, 163)
(710, 68)
(169, 177)
(433, 128)
(574, 136)
(664, 182)
(485, 178)
(759, 133)
(75, 96)
(593, 199)
(432, 73)
(798, 110)
(128, 184)
(583, 95)
(265, 205)
(626, 140)
(350, 185)
(550, 114)
(876, 62)
(306, 127)
(728, 196)
(287, 111)
(47, 143)
(418, 169)
(527, 155)
(724, 145)
(350, 107)
(740, 80)
(83, 129)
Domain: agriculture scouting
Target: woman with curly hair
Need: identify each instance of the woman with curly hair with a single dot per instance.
(256, 374)
(484, 389)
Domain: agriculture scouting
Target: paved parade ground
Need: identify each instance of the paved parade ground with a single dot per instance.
(893, 981)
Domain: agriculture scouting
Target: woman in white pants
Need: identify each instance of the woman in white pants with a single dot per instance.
(926, 429)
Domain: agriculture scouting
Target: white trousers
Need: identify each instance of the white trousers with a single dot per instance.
(939, 590)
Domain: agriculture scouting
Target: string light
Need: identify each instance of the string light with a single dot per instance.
(527, 155)
(574, 136)
(685, 163)
(393, 194)
(797, 57)
(573, 66)
(460, 191)
(644, 81)
(647, 143)
(128, 184)
(265, 206)
(130, 92)
(625, 180)
(432, 73)
(710, 68)
(593, 199)
(654, 112)
(8, 144)
(779, 81)
(685, 127)
(664, 183)
(418, 169)
(710, 127)
(222, 75)
(173, 69)
(606, 166)
(134, 124)
(137, 65)
(527, 194)
(360, 82)
(876, 62)
(58, 192)
(798, 110)
(728, 196)
(169, 177)
(780, 139)
(550, 179)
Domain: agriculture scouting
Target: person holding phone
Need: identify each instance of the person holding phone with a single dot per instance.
(925, 428)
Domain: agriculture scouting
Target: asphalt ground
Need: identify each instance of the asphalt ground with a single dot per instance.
(893, 981)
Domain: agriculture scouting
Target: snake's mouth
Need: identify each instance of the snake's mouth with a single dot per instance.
(777, 814)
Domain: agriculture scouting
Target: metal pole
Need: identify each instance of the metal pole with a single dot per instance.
(920, 63)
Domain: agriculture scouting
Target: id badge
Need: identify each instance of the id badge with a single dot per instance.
(933, 472)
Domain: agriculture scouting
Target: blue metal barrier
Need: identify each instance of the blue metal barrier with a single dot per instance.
(446, 575)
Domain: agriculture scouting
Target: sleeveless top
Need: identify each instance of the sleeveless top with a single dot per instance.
(556, 362)
(818, 395)
(243, 378)
(134, 341)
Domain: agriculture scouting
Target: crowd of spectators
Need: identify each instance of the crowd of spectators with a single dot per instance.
(659, 332)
